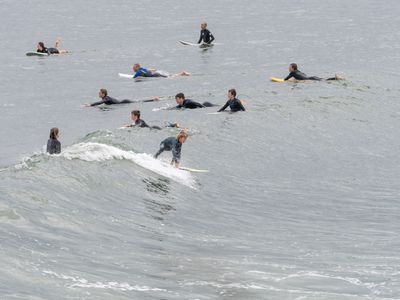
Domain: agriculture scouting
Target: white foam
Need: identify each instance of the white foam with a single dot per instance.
(102, 152)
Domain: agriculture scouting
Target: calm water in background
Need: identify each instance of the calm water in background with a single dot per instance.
(302, 198)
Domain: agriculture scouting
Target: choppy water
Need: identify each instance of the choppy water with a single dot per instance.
(302, 198)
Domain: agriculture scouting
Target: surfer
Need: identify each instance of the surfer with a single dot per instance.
(138, 122)
(298, 75)
(105, 99)
(53, 145)
(187, 103)
(173, 144)
(42, 49)
(143, 72)
(234, 103)
(205, 35)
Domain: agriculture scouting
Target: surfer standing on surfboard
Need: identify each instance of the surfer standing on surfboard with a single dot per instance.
(205, 35)
(143, 72)
(173, 144)
(298, 75)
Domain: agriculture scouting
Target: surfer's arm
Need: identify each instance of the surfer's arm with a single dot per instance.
(201, 38)
(289, 76)
(95, 103)
(241, 105)
(224, 107)
(212, 38)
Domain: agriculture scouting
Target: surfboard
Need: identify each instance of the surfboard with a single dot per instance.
(276, 79)
(203, 45)
(36, 54)
(214, 113)
(129, 76)
(194, 170)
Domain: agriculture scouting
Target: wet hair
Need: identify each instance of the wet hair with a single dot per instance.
(233, 92)
(182, 134)
(104, 92)
(204, 23)
(136, 113)
(54, 133)
(294, 66)
(41, 44)
(180, 95)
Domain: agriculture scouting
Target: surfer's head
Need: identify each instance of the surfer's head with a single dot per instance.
(135, 115)
(203, 25)
(182, 136)
(179, 98)
(136, 67)
(102, 93)
(292, 67)
(54, 133)
(232, 94)
(40, 46)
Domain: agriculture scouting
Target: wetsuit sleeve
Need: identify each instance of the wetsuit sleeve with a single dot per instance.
(212, 38)
(289, 76)
(225, 106)
(176, 153)
(201, 37)
(57, 148)
(241, 105)
(97, 103)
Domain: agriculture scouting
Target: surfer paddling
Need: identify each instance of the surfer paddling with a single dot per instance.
(42, 49)
(298, 75)
(139, 71)
(107, 100)
(187, 103)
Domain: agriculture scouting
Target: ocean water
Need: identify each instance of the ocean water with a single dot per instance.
(302, 197)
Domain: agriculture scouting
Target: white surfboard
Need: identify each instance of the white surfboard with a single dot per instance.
(36, 54)
(129, 76)
(203, 45)
(194, 170)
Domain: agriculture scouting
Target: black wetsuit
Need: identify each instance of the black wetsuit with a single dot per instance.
(187, 103)
(206, 36)
(53, 146)
(108, 100)
(298, 75)
(171, 144)
(234, 104)
(142, 124)
(49, 50)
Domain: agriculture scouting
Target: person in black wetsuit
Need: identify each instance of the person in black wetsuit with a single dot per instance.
(173, 144)
(298, 75)
(53, 145)
(187, 103)
(138, 122)
(42, 49)
(105, 99)
(234, 103)
(205, 35)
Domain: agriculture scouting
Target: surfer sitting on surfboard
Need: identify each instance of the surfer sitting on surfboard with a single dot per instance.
(298, 75)
(234, 103)
(205, 34)
(187, 103)
(143, 72)
(105, 99)
(173, 144)
(42, 49)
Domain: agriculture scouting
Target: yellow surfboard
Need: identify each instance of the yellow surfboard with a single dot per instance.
(276, 79)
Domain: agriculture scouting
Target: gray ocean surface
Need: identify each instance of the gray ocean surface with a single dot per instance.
(302, 197)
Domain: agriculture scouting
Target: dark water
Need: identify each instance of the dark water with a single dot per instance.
(301, 201)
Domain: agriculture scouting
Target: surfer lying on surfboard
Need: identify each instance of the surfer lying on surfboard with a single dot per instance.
(173, 144)
(105, 99)
(139, 71)
(42, 49)
(187, 103)
(138, 122)
(234, 103)
(298, 75)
